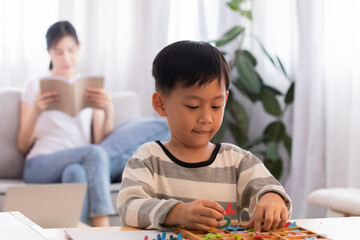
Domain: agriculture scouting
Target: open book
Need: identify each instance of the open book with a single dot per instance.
(71, 95)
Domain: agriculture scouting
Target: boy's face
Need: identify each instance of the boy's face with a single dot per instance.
(194, 114)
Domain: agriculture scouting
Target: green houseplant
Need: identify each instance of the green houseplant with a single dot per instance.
(247, 81)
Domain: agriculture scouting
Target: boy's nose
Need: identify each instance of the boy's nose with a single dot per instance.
(205, 117)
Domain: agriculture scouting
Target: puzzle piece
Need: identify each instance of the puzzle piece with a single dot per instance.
(233, 228)
(228, 221)
(261, 236)
(228, 211)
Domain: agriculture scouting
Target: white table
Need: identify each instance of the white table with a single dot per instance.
(14, 225)
(17, 226)
(336, 228)
(343, 228)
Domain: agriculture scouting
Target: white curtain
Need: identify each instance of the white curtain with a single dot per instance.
(326, 113)
(23, 25)
(275, 24)
(119, 39)
(318, 41)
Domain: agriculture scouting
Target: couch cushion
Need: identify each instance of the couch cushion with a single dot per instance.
(11, 160)
(126, 106)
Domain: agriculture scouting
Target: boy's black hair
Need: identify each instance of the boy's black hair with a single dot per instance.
(189, 63)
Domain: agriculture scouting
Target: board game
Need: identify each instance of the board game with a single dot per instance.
(237, 231)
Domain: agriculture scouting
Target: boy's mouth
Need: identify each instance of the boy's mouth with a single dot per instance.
(202, 132)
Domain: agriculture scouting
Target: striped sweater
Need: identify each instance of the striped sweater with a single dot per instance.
(154, 181)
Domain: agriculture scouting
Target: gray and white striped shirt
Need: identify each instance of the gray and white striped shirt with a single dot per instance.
(154, 181)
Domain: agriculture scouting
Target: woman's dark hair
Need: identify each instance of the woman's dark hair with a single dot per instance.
(57, 31)
(189, 63)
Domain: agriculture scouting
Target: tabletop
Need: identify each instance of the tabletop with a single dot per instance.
(14, 225)
(335, 228)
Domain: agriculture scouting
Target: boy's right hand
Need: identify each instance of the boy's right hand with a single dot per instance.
(198, 214)
(43, 100)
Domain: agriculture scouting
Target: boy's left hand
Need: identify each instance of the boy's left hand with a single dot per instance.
(272, 210)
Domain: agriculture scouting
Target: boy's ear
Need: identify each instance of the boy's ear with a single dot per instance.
(158, 102)
(226, 97)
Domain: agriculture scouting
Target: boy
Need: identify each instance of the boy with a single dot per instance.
(189, 181)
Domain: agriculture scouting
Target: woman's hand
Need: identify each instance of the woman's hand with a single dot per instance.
(103, 121)
(99, 98)
(43, 100)
(199, 214)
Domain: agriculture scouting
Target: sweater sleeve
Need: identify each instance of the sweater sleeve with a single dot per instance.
(254, 180)
(136, 203)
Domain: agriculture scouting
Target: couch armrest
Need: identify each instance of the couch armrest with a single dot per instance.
(11, 159)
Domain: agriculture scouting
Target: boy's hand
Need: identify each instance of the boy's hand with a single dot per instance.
(199, 214)
(270, 208)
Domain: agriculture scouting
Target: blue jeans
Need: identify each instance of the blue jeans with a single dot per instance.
(96, 165)
(123, 142)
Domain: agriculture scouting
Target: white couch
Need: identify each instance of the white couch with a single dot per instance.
(127, 106)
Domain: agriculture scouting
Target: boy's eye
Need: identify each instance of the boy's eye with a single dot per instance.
(192, 107)
(216, 107)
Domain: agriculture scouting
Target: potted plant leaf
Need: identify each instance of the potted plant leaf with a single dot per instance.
(246, 80)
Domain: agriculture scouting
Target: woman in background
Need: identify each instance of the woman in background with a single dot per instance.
(58, 147)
